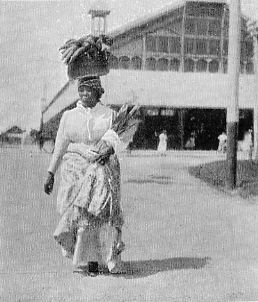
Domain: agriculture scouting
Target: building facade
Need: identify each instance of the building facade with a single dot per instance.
(174, 64)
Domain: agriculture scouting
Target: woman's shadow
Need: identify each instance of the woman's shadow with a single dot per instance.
(144, 268)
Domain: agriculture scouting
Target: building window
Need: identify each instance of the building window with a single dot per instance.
(249, 51)
(214, 47)
(214, 66)
(225, 65)
(124, 62)
(162, 64)
(249, 67)
(201, 46)
(202, 27)
(214, 28)
(167, 112)
(190, 26)
(163, 44)
(150, 64)
(189, 65)
(246, 49)
(189, 46)
(113, 62)
(175, 45)
(225, 48)
(136, 63)
(151, 44)
(201, 66)
(175, 64)
(152, 112)
(242, 67)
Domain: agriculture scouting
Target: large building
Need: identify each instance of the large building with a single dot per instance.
(174, 64)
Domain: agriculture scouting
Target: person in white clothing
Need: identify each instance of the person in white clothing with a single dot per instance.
(222, 147)
(162, 146)
(88, 200)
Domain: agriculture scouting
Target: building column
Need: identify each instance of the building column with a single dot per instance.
(182, 52)
(144, 52)
(222, 40)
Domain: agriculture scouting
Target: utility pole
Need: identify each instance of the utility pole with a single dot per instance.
(252, 27)
(255, 112)
(233, 78)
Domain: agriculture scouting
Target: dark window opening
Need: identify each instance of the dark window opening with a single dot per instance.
(162, 65)
(124, 62)
(163, 44)
(175, 45)
(151, 44)
(175, 65)
(150, 64)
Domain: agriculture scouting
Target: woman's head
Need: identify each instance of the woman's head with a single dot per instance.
(90, 90)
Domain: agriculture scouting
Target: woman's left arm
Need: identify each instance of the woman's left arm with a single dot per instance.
(61, 144)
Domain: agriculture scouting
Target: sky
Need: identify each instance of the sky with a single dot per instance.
(31, 33)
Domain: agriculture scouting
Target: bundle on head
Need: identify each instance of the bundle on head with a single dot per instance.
(89, 46)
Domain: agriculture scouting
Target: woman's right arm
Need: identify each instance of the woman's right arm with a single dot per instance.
(61, 144)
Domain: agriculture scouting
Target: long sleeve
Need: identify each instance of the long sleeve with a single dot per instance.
(61, 144)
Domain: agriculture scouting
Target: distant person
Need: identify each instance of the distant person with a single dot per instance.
(162, 146)
(190, 144)
(222, 142)
(247, 144)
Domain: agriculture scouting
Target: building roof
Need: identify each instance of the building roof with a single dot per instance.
(167, 89)
(153, 16)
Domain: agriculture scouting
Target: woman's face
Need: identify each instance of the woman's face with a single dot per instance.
(87, 96)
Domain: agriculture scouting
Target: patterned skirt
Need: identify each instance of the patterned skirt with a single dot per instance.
(89, 204)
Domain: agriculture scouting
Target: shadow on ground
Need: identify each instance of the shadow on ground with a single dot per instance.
(161, 180)
(144, 268)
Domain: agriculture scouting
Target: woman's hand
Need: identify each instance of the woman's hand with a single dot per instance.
(49, 183)
(104, 151)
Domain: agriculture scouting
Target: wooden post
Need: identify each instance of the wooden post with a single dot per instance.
(233, 77)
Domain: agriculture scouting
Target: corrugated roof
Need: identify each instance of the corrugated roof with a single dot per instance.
(153, 16)
(170, 89)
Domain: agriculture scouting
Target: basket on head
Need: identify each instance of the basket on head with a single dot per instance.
(87, 66)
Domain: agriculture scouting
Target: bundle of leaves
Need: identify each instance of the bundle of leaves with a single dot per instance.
(125, 126)
(89, 46)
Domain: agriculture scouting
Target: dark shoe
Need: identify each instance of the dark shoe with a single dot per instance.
(93, 267)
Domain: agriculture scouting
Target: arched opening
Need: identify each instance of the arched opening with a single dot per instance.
(162, 64)
(113, 62)
(201, 65)
(189, 65)
(175, 64)
(150, 64)
(124, 62)
(214, 66)
(249, 67)
(136, 63)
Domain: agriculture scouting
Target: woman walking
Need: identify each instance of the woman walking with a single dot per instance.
(88, 200)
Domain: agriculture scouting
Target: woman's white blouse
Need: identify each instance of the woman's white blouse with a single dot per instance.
(81, 125)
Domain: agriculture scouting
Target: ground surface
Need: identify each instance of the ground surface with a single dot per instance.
(185, 240)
